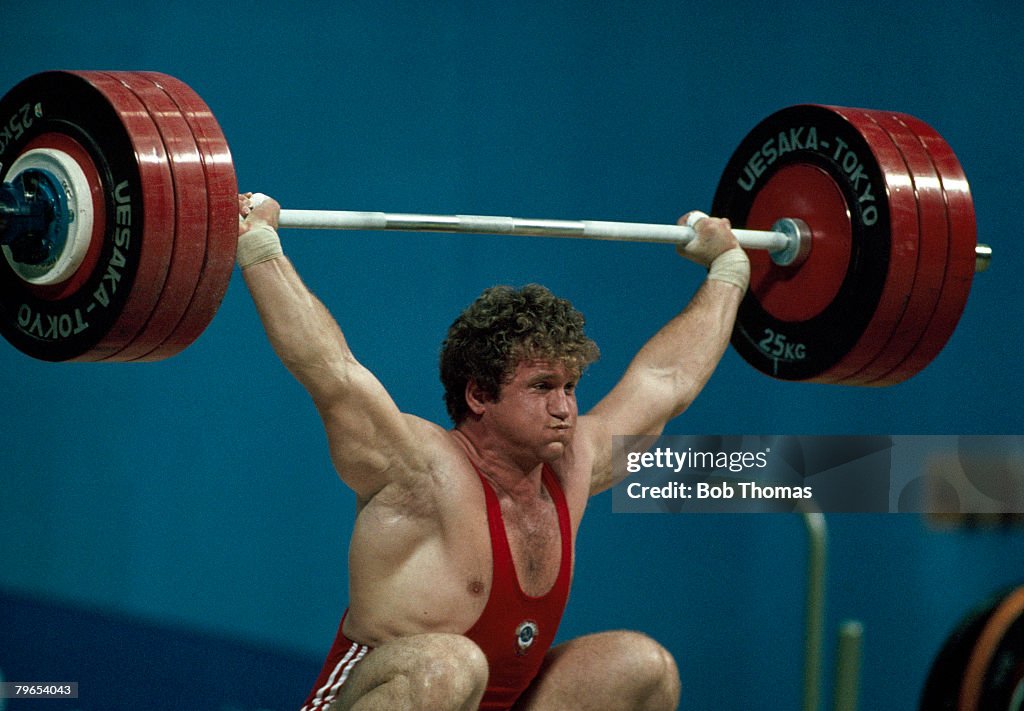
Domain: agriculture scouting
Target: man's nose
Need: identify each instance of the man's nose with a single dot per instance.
(559, 404)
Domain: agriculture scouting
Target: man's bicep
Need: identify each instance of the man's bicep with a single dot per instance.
(371, 441)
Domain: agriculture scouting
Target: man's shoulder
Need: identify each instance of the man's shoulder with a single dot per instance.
(439, 481)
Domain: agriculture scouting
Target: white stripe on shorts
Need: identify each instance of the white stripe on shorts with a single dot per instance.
(326, 693)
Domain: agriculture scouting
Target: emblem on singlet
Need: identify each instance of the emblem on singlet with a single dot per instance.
(526, 633)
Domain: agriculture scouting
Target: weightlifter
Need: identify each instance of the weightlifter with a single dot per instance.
(461, 556)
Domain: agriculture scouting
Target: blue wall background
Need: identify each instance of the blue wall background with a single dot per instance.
(197, 492)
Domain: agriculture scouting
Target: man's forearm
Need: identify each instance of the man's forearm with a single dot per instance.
(677, 362)
(302, 332)
(666, 375)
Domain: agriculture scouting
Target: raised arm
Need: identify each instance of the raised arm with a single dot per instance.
(671, 369)
(371, 441)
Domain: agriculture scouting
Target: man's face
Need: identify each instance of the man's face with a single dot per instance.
(536, 410)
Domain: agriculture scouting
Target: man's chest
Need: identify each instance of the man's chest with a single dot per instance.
(535, 543)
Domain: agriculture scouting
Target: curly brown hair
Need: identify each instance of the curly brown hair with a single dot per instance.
(502, 328)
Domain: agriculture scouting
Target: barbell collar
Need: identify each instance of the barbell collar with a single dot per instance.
(798, 245)
(34, 217)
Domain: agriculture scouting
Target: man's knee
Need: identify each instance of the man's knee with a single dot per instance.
(427, 671)
(447, 666)
(652, 667)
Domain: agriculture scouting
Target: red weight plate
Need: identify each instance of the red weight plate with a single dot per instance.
(71, 147)
(190, 216)
(923, 293)
(903, 248)
(810, 162)
(805, 192)
(103, 310)
(961, 257)
(222, 214)
(158, 208)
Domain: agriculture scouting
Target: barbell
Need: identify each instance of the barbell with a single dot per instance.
(118, 224)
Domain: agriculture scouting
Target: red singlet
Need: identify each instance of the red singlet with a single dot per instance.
(514, 631)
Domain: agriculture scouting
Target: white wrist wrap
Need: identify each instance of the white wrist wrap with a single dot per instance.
(732, 267)
(258, 245)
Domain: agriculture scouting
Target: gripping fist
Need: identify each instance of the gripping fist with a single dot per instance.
(257, 229)
(716, 248)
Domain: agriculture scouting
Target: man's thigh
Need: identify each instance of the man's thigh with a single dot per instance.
(605, 671)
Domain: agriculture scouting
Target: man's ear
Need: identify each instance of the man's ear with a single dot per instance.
(476, 398)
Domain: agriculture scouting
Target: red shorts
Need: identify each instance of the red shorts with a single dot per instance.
(344, 656)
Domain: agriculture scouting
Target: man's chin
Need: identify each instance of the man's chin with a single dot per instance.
(553, 452)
